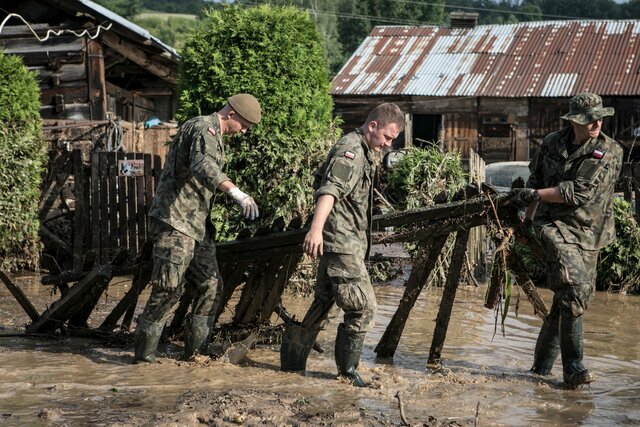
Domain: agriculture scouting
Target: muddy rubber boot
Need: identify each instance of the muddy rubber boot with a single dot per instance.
(297, 343)
(547, 346)
(196, 333)
(571, 331)
(347, 353)
(146, 340)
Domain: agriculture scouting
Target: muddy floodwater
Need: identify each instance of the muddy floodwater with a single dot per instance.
(484, 379)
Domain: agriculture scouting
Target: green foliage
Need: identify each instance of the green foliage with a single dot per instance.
(172, 30)
(276, 54)
(424, 173)
(619, 264)
(22, 155)
(125, 8)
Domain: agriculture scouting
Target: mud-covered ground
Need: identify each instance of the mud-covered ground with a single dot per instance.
(483, 381)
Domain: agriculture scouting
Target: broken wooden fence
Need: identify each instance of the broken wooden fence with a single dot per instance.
(264, 263)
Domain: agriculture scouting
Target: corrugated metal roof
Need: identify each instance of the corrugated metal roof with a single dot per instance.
(529, 59)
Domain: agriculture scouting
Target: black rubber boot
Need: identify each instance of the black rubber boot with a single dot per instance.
(571, 331)
(547, 346)
(297, 343)
(146, 340)
(196, 333)
(348, 351)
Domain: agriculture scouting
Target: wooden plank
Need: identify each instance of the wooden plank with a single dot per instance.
(122, 208)
(141, 214)
(275, 294)
(20, 297)
(112, 178)
(103, 250)
(249, 291)
(157, 171)
(131, 210)
(95, 203)
(45, 232)
(148, 192)
(448, 297)
(61, 310)
(80, 214)
(79, 319)
(422, 267)
(75, 93)
(263, 288)
(233, 274)
(96, 80)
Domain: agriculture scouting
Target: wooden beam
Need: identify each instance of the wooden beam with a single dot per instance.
(448, 296)
(20, 297)
(140, 57)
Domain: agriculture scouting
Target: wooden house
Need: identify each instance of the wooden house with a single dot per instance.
(496, 89)
(90, 61)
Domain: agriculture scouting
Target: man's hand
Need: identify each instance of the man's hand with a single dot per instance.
(521, 197)
(246, 203)
(313, 243)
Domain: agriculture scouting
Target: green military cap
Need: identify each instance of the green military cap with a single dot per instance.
(247, 106)
(585, 108)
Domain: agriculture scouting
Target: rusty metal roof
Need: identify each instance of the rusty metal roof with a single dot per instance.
(529, 59)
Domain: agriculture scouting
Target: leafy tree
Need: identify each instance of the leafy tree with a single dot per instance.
(276, 54)
(172, 30)
(22, 154)
(125, 8)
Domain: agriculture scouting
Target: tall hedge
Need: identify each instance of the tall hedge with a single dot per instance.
(274, 53)
(22, 155)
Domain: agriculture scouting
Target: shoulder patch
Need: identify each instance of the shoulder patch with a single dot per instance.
(597, 153)
(350, 155)
(211, 130)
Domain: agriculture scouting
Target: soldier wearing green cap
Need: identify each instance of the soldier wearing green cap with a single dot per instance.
(339, 234)
(184, 254)
(569, 199)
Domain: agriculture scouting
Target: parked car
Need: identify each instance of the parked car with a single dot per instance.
(501, 175)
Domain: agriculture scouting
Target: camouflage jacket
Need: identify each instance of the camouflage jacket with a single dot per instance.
(192, 172)
(347, 175)
(586, 179)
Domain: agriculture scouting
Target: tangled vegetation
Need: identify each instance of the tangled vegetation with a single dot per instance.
(22, 155)
(422, 174)
(619, 264)
(274, 53)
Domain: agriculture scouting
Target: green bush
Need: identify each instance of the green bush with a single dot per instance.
(22, 155)
(276, 55)
(619, 263)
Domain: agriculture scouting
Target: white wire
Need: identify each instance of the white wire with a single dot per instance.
(55, 32)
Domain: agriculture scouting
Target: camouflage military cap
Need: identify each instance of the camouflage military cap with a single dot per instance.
(585, 108)
(247, 106)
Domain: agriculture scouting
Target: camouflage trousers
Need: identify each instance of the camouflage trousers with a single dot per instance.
(343, 280)
(182, 264)
(571, 272)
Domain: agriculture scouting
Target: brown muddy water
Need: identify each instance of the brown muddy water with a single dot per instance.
(484, 379)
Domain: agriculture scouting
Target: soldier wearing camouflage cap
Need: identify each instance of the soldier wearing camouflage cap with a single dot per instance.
(569, 199)
(180, 226)
(339, 234)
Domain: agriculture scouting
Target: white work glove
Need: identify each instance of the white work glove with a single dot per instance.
(246, 202)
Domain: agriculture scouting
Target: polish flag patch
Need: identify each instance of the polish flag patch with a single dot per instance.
(350, 155)
(212, 131)
(597, 154)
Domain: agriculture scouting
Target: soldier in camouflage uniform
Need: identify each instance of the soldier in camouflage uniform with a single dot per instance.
(339, 234)
(570, 210)
(180, 226)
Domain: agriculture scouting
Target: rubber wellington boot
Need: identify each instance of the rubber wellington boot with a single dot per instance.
(196, 334)
(347, 353)
(297, 343)
(146, 340)
(547, 346)
(571, 331)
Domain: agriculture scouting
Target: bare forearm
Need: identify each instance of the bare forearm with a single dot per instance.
(323, 209)
(551, 195)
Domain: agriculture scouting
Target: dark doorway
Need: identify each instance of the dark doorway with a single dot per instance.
(425, 129)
